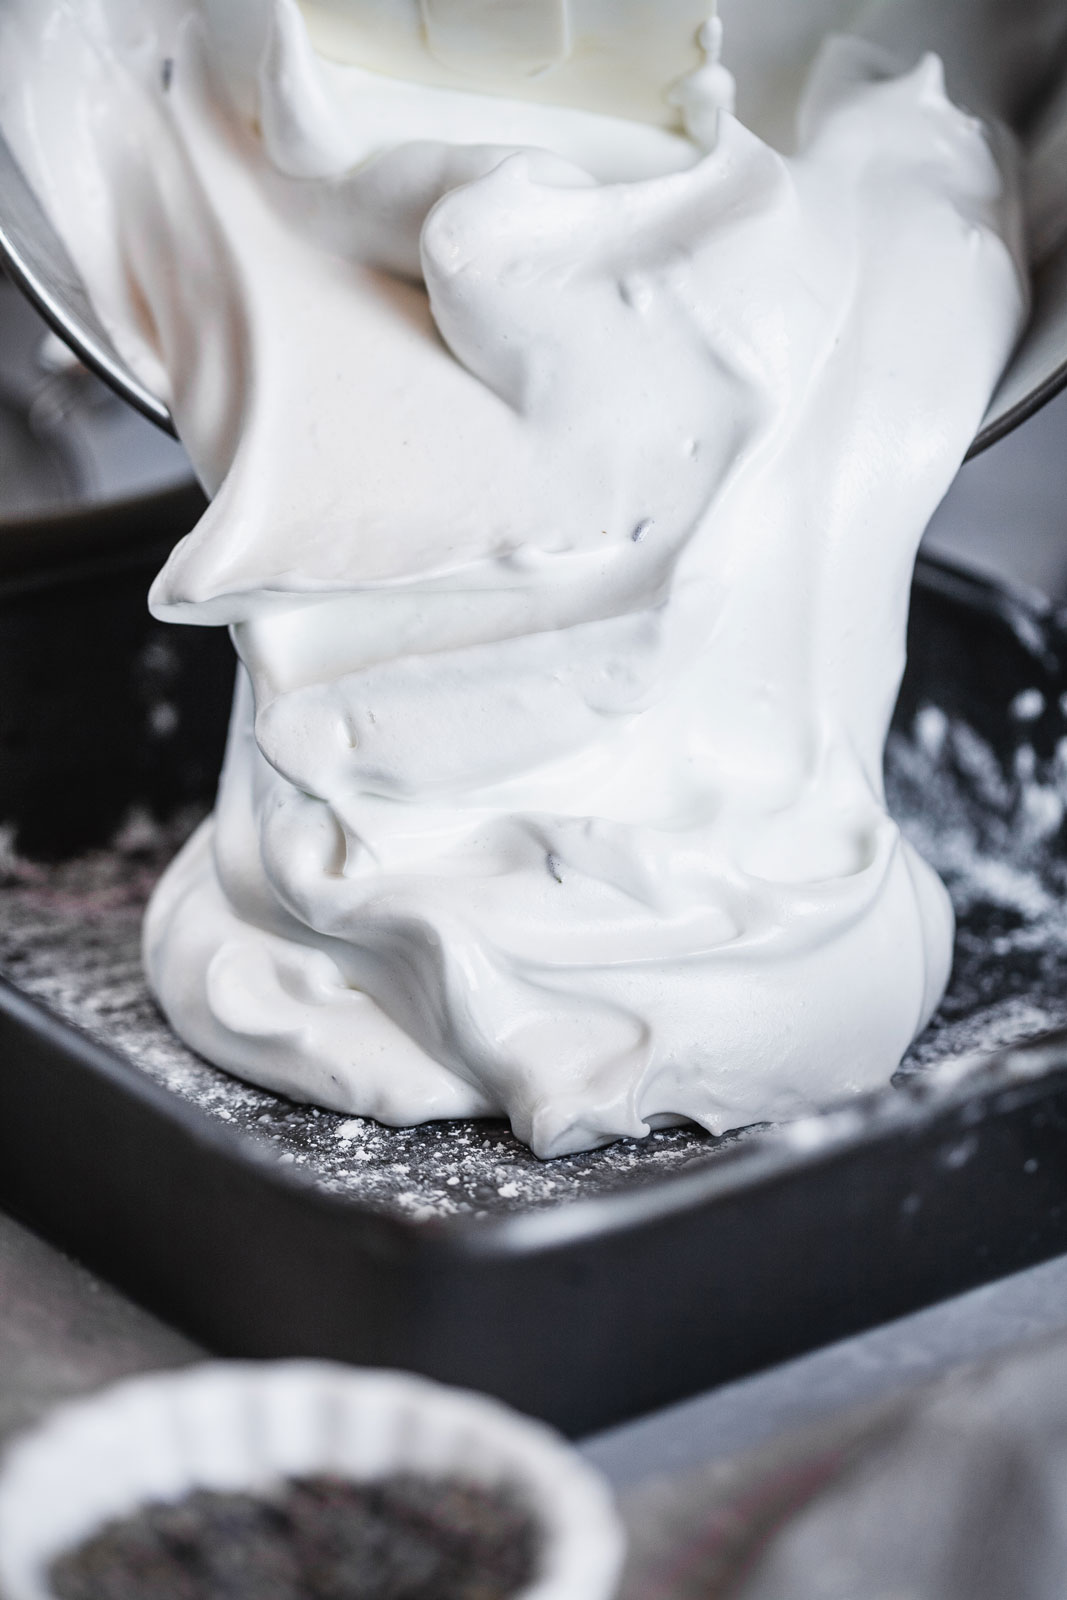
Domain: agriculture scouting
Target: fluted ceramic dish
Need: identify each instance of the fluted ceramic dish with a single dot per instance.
(245, 1427)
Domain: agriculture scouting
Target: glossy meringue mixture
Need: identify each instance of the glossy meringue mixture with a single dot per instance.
(568, 472)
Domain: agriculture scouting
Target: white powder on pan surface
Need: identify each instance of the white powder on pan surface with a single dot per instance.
(993, 829)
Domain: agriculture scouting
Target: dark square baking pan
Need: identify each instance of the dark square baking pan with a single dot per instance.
(585, 1290)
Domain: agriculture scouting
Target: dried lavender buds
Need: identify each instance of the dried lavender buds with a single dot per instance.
(403, 1538)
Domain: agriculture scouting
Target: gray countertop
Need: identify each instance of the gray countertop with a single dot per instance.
(64, 1333)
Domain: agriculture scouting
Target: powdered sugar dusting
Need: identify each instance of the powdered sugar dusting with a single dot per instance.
(993, 827)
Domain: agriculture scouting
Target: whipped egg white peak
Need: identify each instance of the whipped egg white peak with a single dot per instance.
(568, 473)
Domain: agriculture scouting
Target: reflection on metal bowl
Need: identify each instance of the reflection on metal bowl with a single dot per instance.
(67, 444)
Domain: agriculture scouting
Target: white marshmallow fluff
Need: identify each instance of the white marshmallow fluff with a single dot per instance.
(568, 468)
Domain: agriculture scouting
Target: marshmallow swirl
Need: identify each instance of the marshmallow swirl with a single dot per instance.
(567, 479)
